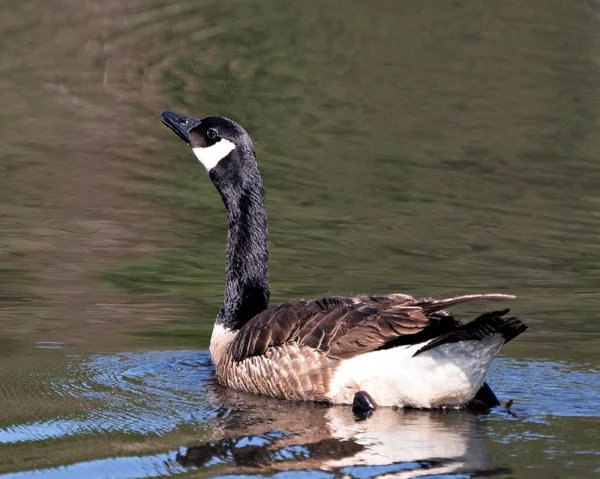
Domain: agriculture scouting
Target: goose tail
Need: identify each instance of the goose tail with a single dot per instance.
(433, 305)
(485, 326)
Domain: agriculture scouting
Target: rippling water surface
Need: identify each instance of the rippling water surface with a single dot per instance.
(432, 149)
(158, 413)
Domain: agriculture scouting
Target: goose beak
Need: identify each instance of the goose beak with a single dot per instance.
(179, 124)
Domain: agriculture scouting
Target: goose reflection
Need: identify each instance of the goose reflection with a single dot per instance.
(258, 434)
(418, 442)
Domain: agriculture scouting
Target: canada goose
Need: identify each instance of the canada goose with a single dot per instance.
(391, 350)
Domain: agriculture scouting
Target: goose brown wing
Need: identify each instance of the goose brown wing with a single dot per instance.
(339, 326)
(343, 327)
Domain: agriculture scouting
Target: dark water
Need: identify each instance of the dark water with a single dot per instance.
(430, 148)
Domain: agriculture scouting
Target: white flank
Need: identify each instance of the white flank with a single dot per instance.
(211, 155)
(448, 375)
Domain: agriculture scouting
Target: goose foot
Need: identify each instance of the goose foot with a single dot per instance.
(508, 409)
(363, 404)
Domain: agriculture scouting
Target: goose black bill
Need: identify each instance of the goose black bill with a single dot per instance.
(179, 124)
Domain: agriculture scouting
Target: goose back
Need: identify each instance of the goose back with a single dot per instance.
(343, 327)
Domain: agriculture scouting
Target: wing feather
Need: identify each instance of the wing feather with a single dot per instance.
(343, 327)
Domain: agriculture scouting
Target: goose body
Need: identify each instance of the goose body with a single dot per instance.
(391, 350)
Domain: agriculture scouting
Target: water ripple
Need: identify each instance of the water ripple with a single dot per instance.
(167, 392)
(118, 467)
(157, 392)
(137, 393)
(548, 388)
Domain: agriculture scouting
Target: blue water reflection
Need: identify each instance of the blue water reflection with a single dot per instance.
(160, 394)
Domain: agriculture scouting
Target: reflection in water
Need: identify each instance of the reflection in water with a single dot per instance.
(264, 451)
(409, 443)
(264, 434)
(148, 414)
(167, 393)
(403, 436)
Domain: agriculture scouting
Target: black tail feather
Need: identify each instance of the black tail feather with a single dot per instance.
(484, 399)
(484, 326)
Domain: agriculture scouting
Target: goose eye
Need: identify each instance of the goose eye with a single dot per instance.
(211, 133)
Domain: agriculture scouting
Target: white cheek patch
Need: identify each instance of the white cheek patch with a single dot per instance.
(211, 155)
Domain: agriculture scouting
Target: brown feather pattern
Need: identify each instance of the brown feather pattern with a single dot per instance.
(343, 327)
(290, 371)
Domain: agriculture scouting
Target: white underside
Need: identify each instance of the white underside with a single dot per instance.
(448, 375)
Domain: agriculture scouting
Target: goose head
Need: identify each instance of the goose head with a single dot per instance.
(223, 147)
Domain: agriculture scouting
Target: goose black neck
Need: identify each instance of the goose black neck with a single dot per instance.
(247, 256)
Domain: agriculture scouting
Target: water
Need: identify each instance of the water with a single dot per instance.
(150, 414)
(431, 149)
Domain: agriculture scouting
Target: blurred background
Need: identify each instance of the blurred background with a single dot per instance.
(430, 148)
